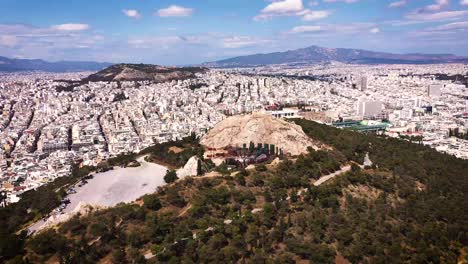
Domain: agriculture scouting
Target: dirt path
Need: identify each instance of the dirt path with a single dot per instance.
(332, 175)
(184, 212)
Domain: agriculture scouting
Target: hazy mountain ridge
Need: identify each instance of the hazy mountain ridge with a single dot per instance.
(15, 65)
(143, 72)
(315, 54)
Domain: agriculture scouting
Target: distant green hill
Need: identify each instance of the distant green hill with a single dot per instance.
(144, 72)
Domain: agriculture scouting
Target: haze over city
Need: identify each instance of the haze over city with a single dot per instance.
(191, 32)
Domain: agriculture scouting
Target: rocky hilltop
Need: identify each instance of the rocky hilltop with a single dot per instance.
(259, 128)
(144, 72)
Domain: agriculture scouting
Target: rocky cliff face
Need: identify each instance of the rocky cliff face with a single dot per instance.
(259, 128)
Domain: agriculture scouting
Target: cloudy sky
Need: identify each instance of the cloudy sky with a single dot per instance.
(179, 32)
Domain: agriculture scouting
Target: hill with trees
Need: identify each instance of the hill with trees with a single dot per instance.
(144, 72)
(408, 207)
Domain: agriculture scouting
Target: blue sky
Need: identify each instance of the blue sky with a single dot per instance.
(179, 32)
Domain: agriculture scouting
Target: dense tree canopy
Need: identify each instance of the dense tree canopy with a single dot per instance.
(171, 176)
(408, 208)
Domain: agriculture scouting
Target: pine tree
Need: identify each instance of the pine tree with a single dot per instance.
(199, 167)
(171, 176)
(251, 146)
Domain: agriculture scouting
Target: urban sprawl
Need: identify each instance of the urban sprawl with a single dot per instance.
(45, 129)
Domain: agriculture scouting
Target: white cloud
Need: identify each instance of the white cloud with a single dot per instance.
(238, 42)
(291, 8)
(281, 8)
(439, 16)
(445, 32)
(284, 7)
(54, 42)
(425, 34)
(344, 1)
(438, 5)
(398, 4)
(71, 27)
(306, 29)
(132, 13)
(151, 42)
(316, 15)
(451, 26)
(8, 40)
(175, 11)
(351, 28)
(463, 2)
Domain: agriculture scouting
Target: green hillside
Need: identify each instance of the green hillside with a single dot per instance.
(407, 208)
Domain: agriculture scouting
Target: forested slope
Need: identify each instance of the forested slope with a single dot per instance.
(409, 207)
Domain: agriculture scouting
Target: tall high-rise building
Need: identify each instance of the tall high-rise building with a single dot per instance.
(368, 109)
(417, 102)
(363, 83)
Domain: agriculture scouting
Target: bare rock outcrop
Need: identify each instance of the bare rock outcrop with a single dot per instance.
(259, 128)
(190, 168)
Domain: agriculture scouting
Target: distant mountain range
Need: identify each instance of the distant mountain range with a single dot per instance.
(15, 65)
(315, 55)
(305, 56)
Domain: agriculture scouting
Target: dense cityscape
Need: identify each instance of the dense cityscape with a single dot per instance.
(247, 131)
(46, 130)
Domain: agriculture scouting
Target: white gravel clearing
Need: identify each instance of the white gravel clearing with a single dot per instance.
(119, 185)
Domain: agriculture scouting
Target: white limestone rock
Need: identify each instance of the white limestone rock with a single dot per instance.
(190, 168)
(259, 128)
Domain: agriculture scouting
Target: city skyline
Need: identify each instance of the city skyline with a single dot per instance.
(189, 32)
